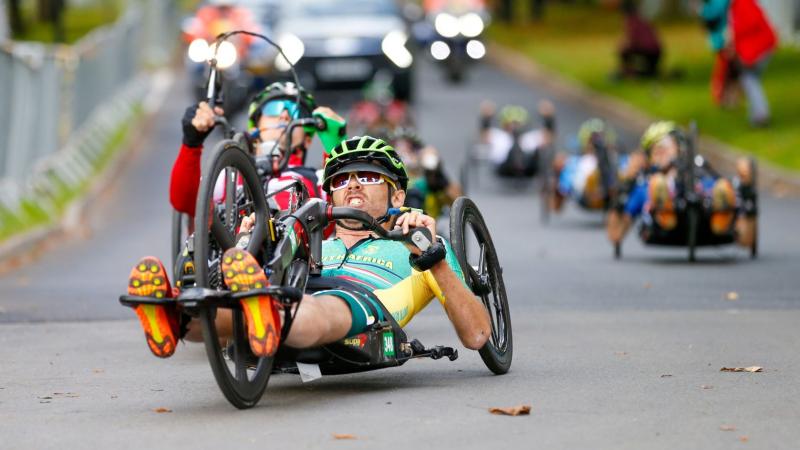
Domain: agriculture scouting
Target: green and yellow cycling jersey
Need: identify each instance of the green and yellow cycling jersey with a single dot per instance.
(382, 266)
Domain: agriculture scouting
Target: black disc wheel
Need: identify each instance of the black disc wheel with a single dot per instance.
(754, 178)
(229, 190)
(477, 257)
(692, 218)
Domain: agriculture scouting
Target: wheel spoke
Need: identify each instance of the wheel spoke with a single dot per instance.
(492, 318)
(221, 234)
(240, 346)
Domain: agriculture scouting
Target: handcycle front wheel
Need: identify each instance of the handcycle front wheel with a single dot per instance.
(229, 190)
(474, 249)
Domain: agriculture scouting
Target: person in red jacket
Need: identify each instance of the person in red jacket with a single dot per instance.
(754, 40)
(269, 114)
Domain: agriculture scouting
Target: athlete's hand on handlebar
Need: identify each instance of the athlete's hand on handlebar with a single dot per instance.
(197, 122)
(414, 219)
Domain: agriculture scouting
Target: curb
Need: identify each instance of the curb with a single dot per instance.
(780, 182)
(22, 249)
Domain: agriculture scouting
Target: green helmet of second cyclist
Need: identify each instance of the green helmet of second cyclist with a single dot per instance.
(269, 115)
(364, 161)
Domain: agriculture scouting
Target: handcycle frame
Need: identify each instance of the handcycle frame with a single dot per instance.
(477, 157)
(289, 247)
(606, 164)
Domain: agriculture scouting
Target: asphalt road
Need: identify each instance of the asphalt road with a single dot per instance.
(609, 354)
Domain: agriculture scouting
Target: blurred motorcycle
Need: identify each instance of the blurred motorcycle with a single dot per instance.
(244, 62)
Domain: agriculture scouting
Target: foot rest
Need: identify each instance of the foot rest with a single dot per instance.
(132, 301)
(285, 293)
(419, 351)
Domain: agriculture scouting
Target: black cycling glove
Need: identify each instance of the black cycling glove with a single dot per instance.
(429, 258)
(192, 137)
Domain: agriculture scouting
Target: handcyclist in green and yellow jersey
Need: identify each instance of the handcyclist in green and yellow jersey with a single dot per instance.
(367, 174)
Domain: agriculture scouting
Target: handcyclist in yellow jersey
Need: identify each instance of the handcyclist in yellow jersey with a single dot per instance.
(366, 174)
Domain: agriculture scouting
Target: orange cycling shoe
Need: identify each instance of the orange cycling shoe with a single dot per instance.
(723, 203)
(242, 273)
(662, 205)
(160, 323)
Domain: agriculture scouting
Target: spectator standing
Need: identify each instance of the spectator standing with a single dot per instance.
(725, 74)
(754, 40)
(640, 51)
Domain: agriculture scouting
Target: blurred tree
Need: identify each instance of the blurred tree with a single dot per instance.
(15, 17)
(53, 11)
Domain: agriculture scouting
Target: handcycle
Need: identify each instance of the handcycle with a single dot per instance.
(600, 200)
(288, 245)
(692, 209)
(517, 170)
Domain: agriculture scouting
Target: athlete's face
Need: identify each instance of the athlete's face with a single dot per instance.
(664, 152)
(371, 198)
(272, 128)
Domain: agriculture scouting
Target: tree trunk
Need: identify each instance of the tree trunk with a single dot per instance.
(15, 18)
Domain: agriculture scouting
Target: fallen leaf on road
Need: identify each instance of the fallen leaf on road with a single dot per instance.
(162, 410)
(621, 353)
(744, 438)
(648, 285)
(98, 370)
(727, 428)
(512, 411)
(344, 436)
(66, 394)
(732, 296)
(742, 369)
(707, 386)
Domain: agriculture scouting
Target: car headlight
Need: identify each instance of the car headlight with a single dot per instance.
(198, 50)
(440, 50)
(293, 48)
(394, 47)
(225, 54)
(476, 49)
(470, 24)
(446, 25)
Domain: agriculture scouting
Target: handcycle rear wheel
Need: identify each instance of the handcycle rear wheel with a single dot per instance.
(216, 223)
(484, 276)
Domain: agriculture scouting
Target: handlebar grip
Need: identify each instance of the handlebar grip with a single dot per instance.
(420, 237)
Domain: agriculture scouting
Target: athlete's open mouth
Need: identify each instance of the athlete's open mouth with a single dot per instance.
(355, 202)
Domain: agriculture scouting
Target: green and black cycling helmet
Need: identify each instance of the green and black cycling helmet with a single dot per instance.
(599, 126)
(365, 153)
(656, 132)
(281, 91)
(513, 114)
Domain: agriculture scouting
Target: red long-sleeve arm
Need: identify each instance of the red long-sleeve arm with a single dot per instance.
(185, 179)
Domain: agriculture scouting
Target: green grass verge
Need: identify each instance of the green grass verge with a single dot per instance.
(581, 43)
(33, 214)
(78, 21)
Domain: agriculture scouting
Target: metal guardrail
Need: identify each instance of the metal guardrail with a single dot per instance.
(60, 105)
